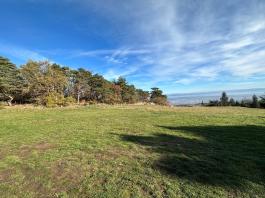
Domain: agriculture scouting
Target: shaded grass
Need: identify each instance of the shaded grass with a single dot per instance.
(131, 151)
(229, 156)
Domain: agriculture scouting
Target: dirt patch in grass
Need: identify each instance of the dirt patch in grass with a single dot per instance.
(2, 155)
(34, 180)
(67, 175)
(26, 150)
(5, 175)
(43, 146)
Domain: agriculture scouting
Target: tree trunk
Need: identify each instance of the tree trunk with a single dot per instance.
(9, 102)
(78, 98)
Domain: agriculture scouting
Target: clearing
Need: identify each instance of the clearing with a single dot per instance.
(132, 151)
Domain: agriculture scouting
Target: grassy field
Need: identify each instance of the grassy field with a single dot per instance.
(132, 151)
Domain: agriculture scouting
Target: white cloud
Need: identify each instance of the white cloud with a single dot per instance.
(179, 41)
(184, 81)
(112, 74)
(20, 53)
(176, 50)
(238, 44)
(112, 52)
(255, 26)
(246, 64)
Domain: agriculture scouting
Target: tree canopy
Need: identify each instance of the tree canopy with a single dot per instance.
(10, 80)
(50, 84)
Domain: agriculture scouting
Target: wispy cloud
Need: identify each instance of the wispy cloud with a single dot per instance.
(20, 53)
(173, 42)
(185, 42)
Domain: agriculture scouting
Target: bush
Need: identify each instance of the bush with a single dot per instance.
(160, 101)
(213, 103)
(246, 103)
(54, 99)
(69, 101)
(92, 102)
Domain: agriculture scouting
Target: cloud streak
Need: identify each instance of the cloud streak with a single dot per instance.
(184, 42)
(20, 53)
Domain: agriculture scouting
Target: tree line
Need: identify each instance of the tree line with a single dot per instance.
(255, 102)
(49, 84)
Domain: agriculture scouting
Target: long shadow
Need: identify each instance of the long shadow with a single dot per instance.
(230, 156)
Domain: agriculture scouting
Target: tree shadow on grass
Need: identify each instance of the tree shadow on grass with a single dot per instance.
(229, 156)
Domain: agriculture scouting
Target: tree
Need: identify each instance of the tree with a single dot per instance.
(157, 96)
(224, 99)
(45, 83)
(99, 86)
(128, 92)
(43, 78)
(10, 80)
(246, 103)
(143, 96)
(232, 102)
(262, 101)
(255, 102)
(213, 103)
(81, 84)
(237, 103)
(55, 80)
(32, 75)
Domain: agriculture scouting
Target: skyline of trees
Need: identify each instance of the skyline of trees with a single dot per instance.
(45, 83)
(255, 102)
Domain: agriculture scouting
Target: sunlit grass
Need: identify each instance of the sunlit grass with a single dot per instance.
(132, 151)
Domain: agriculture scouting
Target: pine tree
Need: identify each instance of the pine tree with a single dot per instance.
(255, 102)
(232, 102)
(262, 101)
(224, 99)
(157, 97)
(10, 81)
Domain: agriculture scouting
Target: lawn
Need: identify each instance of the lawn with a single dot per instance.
(132, 151)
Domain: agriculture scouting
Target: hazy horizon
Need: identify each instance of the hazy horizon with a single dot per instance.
(198, 97)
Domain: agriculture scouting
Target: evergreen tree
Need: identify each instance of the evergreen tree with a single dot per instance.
(224, 99)
(232, 102)
(237, 103)
(262, 101)
(143, 96)
(128, 92)
(10, 80)
(157, 96)
(255, 102)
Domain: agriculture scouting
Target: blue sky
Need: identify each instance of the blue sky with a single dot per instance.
(179, 46)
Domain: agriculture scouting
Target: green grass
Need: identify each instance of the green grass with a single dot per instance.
(131, 151)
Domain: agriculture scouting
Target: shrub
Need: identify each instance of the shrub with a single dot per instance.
(92, 102)
(213, 103)
(54, 99)
(160, 101)
(246, 103)
(69, 101)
